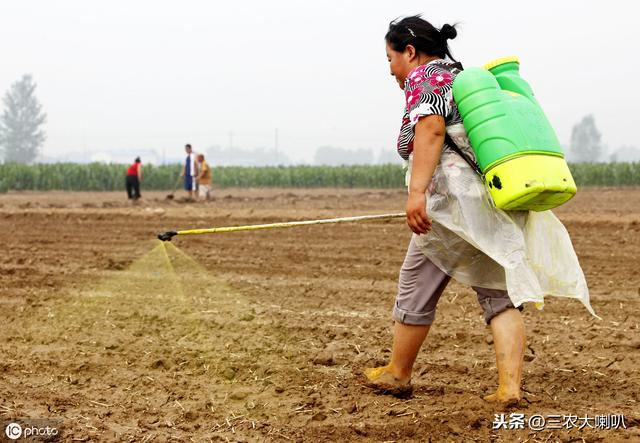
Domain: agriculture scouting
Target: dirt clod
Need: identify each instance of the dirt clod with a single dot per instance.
(324, 358)
(229, 374)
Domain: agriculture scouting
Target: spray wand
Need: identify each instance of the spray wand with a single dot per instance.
(167, 236)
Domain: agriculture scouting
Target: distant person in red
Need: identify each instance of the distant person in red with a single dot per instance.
(134, 178)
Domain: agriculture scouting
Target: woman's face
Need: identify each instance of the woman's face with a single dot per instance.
(399, 63)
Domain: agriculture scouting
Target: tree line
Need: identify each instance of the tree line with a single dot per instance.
(110, 177)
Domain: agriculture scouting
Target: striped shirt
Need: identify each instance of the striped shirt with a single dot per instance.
(428, 91)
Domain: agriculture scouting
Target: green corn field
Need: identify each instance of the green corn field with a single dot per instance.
(110, 177)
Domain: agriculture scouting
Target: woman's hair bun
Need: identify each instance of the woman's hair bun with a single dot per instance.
(448, 32)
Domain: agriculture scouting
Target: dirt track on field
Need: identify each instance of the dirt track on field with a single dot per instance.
(262, 337)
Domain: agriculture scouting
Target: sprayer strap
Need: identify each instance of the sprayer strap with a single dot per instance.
(447, 138)
(449, 141)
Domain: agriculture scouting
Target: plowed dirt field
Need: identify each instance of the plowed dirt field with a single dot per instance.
(263, 335)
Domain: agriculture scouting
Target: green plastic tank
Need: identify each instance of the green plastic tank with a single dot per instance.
(516, 147)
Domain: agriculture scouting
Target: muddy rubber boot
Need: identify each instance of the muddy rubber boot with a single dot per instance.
(509, 379)
(383, 381)
(506, 395)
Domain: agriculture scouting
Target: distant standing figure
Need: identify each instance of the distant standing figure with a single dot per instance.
(204, 178)
(189, 171)
(133, 180)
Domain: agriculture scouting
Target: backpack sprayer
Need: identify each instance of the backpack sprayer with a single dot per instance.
(167, 236)
(519, 156)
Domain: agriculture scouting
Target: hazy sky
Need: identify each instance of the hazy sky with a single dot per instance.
(150, 74)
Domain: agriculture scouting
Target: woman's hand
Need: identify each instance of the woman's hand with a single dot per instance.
(417, 217)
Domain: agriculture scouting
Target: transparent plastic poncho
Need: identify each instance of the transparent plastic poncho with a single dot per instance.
(525, 252)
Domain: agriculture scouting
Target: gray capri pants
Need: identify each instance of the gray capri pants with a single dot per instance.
(421, 284)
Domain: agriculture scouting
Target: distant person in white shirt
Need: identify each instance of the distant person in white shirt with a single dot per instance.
(189, 171)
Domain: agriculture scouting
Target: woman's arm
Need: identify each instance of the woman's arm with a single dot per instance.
(427, 147)
(140, 173)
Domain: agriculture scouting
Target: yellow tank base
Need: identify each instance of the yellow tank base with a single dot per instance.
(530, 182)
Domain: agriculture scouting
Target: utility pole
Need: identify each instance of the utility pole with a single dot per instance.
(85, 156)
(276, 146)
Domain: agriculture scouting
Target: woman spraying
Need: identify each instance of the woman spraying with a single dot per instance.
(458, 231)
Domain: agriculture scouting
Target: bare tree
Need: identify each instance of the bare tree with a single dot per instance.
(21, 133)
(586, 141)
